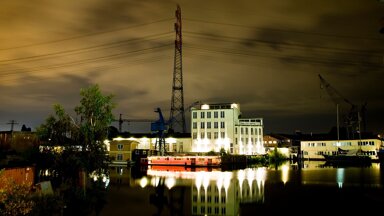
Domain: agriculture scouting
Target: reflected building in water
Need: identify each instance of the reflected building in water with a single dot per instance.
(213, 192)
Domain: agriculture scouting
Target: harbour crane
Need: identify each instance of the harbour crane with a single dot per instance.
(161, 126)
(353, 118)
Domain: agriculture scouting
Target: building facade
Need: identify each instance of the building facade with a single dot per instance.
(315, 149)
(219, 126)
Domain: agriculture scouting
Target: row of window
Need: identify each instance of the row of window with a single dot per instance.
(208, 114)
(208, 135)
(209, 199)
(364, 143)
(208, 124)
(209, 210)
(244, 130)
(316, 144)
(335, 153)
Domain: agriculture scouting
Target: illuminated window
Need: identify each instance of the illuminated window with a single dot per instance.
(120, 146)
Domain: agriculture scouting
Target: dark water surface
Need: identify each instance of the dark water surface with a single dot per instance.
(309, 189)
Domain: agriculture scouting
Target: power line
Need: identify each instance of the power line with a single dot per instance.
(87, 35)
(284, 30)
(85, 49)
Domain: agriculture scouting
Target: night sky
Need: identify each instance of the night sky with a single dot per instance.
(264, 55)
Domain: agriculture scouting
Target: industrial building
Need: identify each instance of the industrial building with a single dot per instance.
(219, 126)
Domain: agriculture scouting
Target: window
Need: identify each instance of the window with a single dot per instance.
(194, 115)
(194, 135)
(235, 130)
(215, 135)
(223, 199)
(208, 124)
(215, 125)
(222, 115)
(202, 124)
(194, 125)
(222, 124)
(202, 135)
(216, 210)
(216, 199)
(202, 114)
(215, 114)
(208, 114)
(251, 131)
(222, 134)
(194, 198)
(120, 146)
(202, 209)
(119, 157)
(208, 135)
(209, 199)
(246, 130)
(202, 199)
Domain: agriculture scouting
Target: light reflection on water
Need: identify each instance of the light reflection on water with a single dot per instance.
(223, 192)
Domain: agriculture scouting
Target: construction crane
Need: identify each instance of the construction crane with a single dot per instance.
(352, 119)
(121, 120)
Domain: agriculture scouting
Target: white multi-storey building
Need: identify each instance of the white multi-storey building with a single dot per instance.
(219, 126)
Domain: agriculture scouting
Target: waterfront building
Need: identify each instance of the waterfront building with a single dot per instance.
(220, 126)
(120, 150)
(314, 149)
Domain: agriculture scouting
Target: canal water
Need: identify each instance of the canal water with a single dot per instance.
(309, 188)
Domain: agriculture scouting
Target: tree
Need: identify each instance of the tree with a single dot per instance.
(95, 112)
(80, 145)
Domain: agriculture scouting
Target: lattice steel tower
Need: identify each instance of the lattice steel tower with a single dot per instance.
(177, 116)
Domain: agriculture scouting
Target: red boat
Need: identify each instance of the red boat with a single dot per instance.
(192, 161)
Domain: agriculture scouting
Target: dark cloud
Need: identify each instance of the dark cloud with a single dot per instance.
(261, 54)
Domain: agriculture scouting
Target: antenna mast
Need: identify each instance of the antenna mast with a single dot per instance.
(177, 116)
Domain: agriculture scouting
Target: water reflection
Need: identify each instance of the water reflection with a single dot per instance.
(185, 191)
